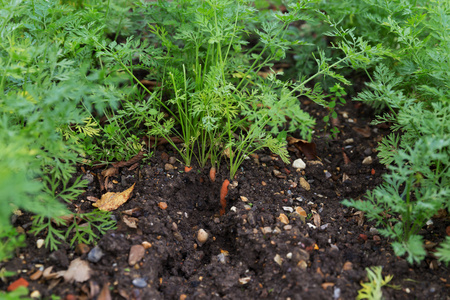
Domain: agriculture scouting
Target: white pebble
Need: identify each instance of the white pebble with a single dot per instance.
(288, 208)
(299, 164)
(40, 243)
(202, 236)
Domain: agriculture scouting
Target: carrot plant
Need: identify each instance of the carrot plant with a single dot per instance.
(47, 80)
(408, 84)
(211, 94)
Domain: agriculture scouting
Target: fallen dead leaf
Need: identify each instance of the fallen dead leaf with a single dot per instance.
(326, 285)
(78, 271)
(47, 274)
(317, 220)
(111, 201)
(110, 172)
(301, 212)
(365, 132)
(105, 294)
(309, 149)
(92, 198)
(346, 159)
(130, 221)
(283, 219)
(359, 216)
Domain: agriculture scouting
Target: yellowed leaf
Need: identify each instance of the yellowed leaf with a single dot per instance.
(317, 220)
(301, 212)
(284, 219)
(112, 201)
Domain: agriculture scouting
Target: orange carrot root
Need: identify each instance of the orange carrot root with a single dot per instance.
(187, 169)
(223, 194)
(212, 174)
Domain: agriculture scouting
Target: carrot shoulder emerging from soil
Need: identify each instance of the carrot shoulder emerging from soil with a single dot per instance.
(212, 174)
(223, 194)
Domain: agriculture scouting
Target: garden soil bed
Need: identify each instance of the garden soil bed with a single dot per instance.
(250, 252)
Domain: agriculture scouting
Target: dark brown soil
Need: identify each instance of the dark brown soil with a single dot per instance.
(250, 253)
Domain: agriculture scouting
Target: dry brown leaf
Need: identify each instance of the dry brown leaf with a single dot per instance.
(78, 271)
(110, 172)
(326, 285)
(301, 212)
(47, 274)
(130, 221)
(284, 219)
(365, 132)
(309, 149)
(317, 220)
(359, 216)
(105, 294)
(346, 159)
(112, 201)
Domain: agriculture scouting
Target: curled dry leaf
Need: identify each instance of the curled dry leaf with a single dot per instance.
(92, 198)
(359, 216)
(309, 149)
(78, 271)
(317, 220)
(110, 172)
(111, 201)
(365, 132)
(302, 213)
(345, 157)
(130, 221)
(283, 219)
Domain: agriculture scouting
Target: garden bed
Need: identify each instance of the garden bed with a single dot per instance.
(250, 252)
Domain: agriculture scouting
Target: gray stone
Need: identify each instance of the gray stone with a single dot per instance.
(95, 254)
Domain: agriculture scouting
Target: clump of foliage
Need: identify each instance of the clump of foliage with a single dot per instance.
(48, 84)
(409, 78)
(372, 289)
(211, 93)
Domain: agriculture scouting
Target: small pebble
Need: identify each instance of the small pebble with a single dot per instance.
(172, 160)
(348, 141)
(40, 243)
(81, 249)
(288, 208)
(337, 293)
(368, 151)
(95, 254)
(367, 161)
(36, 275)
(347, 266)
(304, 184)
(146, 244)
(266, 230)
(162, 205)
(139, 282)
(278, 259)
(168, 167)
(327, 174)
(137, 252)
(88, 177)
(35, 294)
(299, 164)
(243, 198)
(265, 158)
(247, 207)
(287, 227)
(373, 230)
(202, 236)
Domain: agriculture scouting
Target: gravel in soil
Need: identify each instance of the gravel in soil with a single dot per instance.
(175, 245)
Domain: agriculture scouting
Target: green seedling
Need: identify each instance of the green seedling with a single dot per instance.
(372, 289)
